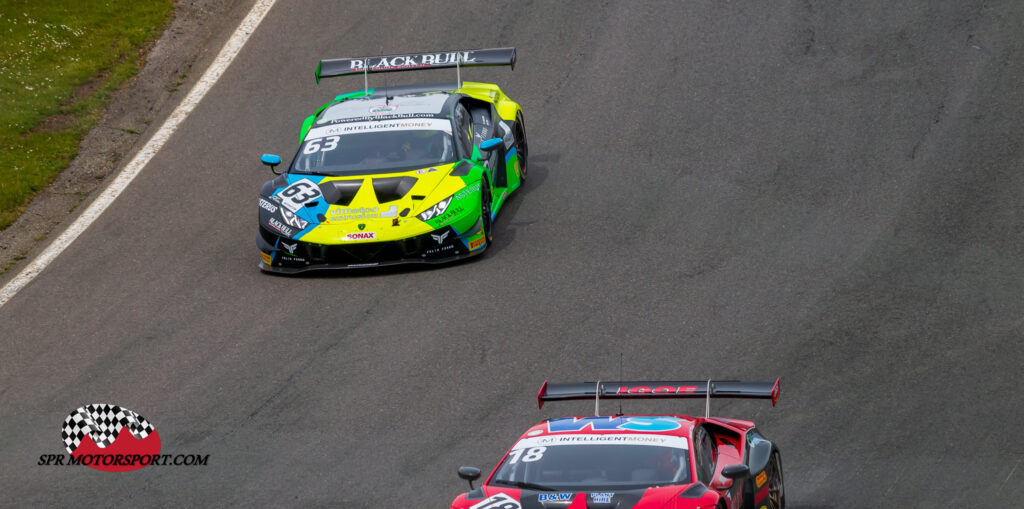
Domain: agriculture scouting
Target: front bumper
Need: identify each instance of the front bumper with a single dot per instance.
(287, 256)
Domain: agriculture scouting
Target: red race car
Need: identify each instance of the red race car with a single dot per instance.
(636, 461)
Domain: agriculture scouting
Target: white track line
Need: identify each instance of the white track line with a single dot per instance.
(217, 68)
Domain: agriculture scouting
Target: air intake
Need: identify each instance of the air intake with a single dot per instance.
(340, 192)
(392, 188)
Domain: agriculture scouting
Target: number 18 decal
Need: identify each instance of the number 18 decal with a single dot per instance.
(297, 194)
(532, 454)
(499, 501)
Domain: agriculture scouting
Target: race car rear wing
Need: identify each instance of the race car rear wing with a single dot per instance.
(416, 62)
(654, 390)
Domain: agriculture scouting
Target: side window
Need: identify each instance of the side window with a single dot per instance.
(704, 454)
(463, 130)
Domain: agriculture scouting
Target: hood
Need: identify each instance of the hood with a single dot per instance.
(328, 210)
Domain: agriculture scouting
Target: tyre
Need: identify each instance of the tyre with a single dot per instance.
(521, 147)
(485, 210)
(776, 489)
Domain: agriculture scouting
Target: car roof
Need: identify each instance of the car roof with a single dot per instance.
(374, 107)
(671, 425)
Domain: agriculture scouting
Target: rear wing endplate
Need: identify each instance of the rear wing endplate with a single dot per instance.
(655, 390)
(415, 62)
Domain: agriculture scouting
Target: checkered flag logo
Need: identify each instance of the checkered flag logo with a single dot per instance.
(103, 423)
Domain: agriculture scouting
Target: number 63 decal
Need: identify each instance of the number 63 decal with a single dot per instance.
(299, 193)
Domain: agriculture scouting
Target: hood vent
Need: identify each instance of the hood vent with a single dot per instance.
(461, 169)
(340, 192)
(392, 188)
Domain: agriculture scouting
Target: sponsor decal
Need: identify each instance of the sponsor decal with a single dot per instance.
(602, 498)
(428, 170)
(266, 257)
(666, 389)
(533, 443)
(436, 250)
(653, 424)
(279, 226)
(266, 205)
(439, 238)
(761, 478)
(375, 118)
(361, 236)
(499, 501)
(395, 222)
(410, 61)
(377, 125)
(476, 243)
(300, 192)
(555, 497)
(382, 109)
(293, 220)
(466, 191)
(447, 216)
(362, 227)
(290, 247)
(354, 213)
(112, 438)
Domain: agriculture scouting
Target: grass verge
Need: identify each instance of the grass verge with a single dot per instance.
(60, 62)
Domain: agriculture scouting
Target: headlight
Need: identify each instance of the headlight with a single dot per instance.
(293, 220)
(438, 209)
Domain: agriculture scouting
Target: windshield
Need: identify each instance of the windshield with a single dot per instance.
(375, 146)
(619, 461)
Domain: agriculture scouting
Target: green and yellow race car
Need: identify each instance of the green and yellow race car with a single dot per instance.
(408, 174)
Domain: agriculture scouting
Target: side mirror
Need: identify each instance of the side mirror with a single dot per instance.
(271, 160)
(489, 145)
(470, 474)
(735, 472)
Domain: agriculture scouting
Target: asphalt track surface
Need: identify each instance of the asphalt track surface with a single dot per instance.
(829, 193)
